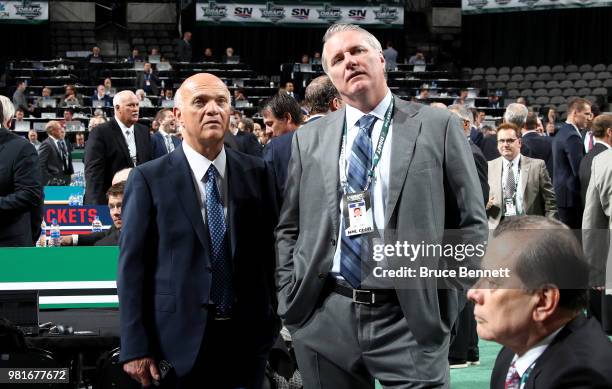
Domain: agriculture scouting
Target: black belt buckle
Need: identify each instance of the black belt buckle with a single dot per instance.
(366, 297)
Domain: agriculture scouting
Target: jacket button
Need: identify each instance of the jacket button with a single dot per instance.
(333, 242)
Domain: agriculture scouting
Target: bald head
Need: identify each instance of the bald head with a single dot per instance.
(126, 107)
(198, 81)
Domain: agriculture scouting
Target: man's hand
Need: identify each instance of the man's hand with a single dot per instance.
(490, 203)
(66, 240)
(142, 370)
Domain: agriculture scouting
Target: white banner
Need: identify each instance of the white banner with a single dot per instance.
(24, 11)
(298, 14)
(485, 6)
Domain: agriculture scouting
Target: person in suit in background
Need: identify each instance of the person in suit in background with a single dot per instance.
(390, 55)
(118, 144)
(519, 185)
(164, 141)
(192, 290)
(101, 96)
(382, 328)
(282, 115)
(567, 154)
(602, 133)
(290, 90)
(21, 192)
(55, 156)
(184, 51)
(536, 311)
(321, 97)
(147, 80)
(535, 145)
(246, 140)
(33, 138)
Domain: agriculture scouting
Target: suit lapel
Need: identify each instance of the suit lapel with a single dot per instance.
(496, 180)
(405, 131)
(525, 166)
(120, 141)
(233, 182)
(330, 139)
(184, 188)
(4, 134)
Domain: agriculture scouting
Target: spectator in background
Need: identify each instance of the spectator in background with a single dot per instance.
(80, 140)
(463, 95)
(516, 114)
(239, 95)
(488, 131)
(95, 121)
(19, 98)
(535, 145)
(21, 193)
(305, 59)
(167, 100)
(147, 80)
(134, 57)
(19, 115)
(71, 98)
(229, 56)
(143, 101)
(522, 100)
(68, 117)
(44, 97)
(101, 96)
(423, 95)
(321, 98)
(208, 55)
(108, 87)
(184, 51)
(316, 58)
(55, 156)
(290, 90)
(95, 56)
(261, 134)
(164, 140)
(33, 138)
(246, 125)
(493, 100)
(390, 55)
(550, 124)
(417, 59)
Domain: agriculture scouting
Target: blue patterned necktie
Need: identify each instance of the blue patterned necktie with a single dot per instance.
(353, 248)
(221, 291)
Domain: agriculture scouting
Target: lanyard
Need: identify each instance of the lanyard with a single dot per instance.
(525, 376)
(377, 152)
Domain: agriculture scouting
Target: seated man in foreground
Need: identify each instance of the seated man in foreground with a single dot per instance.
(537, 312)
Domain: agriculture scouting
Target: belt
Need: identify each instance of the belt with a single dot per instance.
(362, 296)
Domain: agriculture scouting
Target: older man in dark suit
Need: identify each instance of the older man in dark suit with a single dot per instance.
(20, 185)
(193, 290)
(118, 144)
(535, 309)
(55, 156)
(404, 165)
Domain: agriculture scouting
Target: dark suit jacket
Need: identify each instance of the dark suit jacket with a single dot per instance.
(585, 168)
(476, 136)
(578, 357)
(184, 51)
(248, 144)
(109, 237)
(141, 82)
(538, 147)
(20, 191)
(106, 152)
(277, 154)
(108, 102)
(164, 276)
(489, 147)
(158, 144)
(482, 167)
(51, 163)
(568, 151)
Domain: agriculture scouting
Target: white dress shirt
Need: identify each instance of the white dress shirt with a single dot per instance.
(129, 138)
(380, 181)
(517, 178)
(199, 165)
(530, 358)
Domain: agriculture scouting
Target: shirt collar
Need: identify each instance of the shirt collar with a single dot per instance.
(530, 132)
(603, 143)
(52, 138)
(515, 161)
(523, 362)
(199, 164)
(353, 114)
(123, 127)
(162, 132)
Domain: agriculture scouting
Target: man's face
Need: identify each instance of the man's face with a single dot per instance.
(19, 115)
(168, 122)
(67, 116)
(168, 93)
(96, 50)
(277, 126)
(205, 110)
(481, 117)
(463, 94)
(147, 67)
(508, 144)
(582, 116)
(187, 36)
(107, 83)
(502, 306)
(135, 53)
(289, 87)
(114, 207)
(69, 91)
(354, 67)
(127, 109)
(57, 132)
(46, 92)
(21, 86)
(208, 52)
(425, 94)
(100, 90)
(32, 136)
(80, 139)
(229, 52)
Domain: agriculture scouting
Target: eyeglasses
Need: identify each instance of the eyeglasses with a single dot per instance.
(506, 141)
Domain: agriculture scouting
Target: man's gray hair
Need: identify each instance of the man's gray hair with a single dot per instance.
(119, 97)
(342, 27)
(8, 109)
(463, 112)
(319, 94)
(516, 114)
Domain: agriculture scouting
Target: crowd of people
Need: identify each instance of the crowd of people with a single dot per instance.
(227, 229)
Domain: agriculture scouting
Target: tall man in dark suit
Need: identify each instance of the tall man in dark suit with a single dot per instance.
(535, 311)
(147, 80)
(20, 185)
(115, 145)
(192, 289)
(602, 133)
(164, 141)
(535, 145)
(404, 164)
(184, 51)
(55, 155)
(567, 154)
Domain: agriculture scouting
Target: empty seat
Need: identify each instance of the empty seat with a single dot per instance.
(585, 68)
(595, 84)
(544, 77)
(466, 70)
(531, 77)
(517, 77)
(609, 68)
(599, 67)
(531, 69)
(562, 107)
(540, 92)
(580, 84)
(589, 76)
(559, 76)
(524, 84)
(167, 49)
(517, 70)
(571, 68)
(491, 70)
(552, 84)
(506, 70)
(137, 41)
(557, 100)
(557, 69)
(503, 77)
(478, 71)
(603, 75)
(584, 91)
(574, 76)
(491, 77)
(569, 92)
(476, 77)
(538, 85)
(566, 84)
(600, 92)
(544, 69)
(592, 99)
(512, 85)
(607, 83)
(499, 85)
(527, 92)
(513, 93)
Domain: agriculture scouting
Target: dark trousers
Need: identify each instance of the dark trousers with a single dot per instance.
(224, 362)
(571, 216)
(464, 346)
